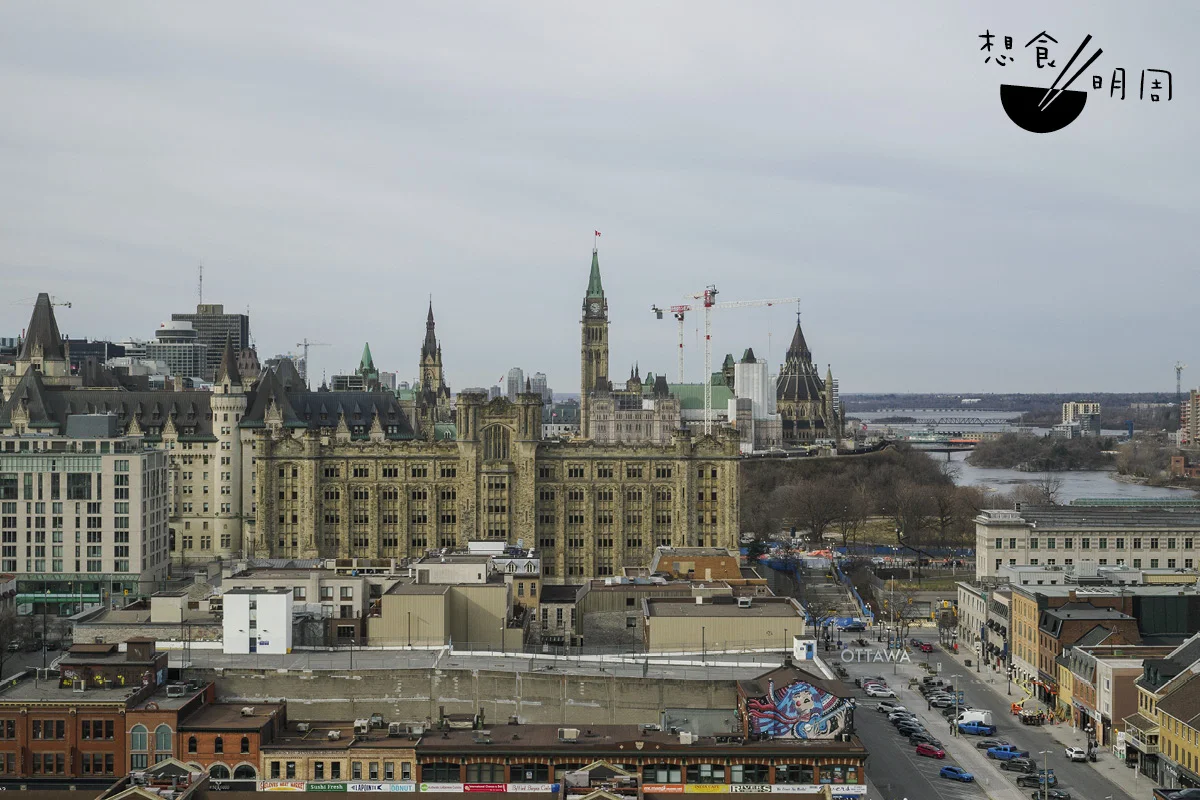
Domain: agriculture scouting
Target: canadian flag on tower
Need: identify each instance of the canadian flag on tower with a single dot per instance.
(597, 233)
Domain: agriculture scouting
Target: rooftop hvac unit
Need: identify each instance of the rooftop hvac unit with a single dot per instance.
(176, 690)
(568, 734)
(416, 731)
(362, 727)
(333, 736)
(744, 602)
(109, 683)
(686, 737)
(138, 778)
(483, 737)
(303, 727)
(397, 729)
(78, 685)
(247, 711)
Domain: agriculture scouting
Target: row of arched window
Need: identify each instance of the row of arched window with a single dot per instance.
(139, 739)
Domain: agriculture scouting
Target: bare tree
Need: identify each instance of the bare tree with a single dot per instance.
(852, 516)
(1050, 486)
(812, 504)
(947, 624)
(8, 635)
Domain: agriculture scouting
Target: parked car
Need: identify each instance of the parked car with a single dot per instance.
(942, 702)
(1022, 764)
(989, 743)
(956, 774)
(1006, 751)
(1185, 794)
(926, 749)
(14, 647)
(1076, 754)
(951, 712)
(880, 691)
(926, 737)
(1037, 779)
(977, 729)
(925, 647)
(32, 646)
(889, 706)
(52, 645)
(902, 716)
(909, 728)
(1052, 794)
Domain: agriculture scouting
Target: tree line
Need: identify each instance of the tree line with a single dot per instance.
(896, 494)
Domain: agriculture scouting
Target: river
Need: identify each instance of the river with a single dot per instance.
(1075, 484)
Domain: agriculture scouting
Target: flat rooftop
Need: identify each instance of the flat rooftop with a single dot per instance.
(229, 717)
(317, 738)
(461, 558)
(761, 607)
(419, 588)
(612, 738)
(31, 690)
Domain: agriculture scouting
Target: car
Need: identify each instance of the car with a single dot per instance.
(925, 647)
(956, 774)
(889, 707)
(1075, 754)
(926, 749)
(1006, 751)
(988, 743)
(1021, 764)
(52, 645)
(1052, 794)
(880, 691)
(1037, 780)
(951, 712)
(14, 647)
(902, 716)
(1185, 794)
(942, 702)
(977, 729)
(32, 646)
(909, 729)
(918, 738)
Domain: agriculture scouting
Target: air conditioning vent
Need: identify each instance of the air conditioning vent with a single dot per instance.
(303, 727)
(568, 734)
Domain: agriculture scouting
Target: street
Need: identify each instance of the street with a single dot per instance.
(896, 772)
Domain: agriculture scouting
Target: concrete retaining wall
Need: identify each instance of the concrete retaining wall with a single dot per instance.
(416, 695)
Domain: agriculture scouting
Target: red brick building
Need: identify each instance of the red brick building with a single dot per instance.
(226, 739)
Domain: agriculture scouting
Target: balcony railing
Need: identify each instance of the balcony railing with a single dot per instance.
(1146, 742)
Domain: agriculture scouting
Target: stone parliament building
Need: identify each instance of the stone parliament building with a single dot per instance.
(273, 469)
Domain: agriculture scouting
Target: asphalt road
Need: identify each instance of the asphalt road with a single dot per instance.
(897, 773)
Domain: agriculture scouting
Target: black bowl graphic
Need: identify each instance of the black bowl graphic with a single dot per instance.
(1021, 105)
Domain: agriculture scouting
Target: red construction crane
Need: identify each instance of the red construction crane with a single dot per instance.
(708, 301)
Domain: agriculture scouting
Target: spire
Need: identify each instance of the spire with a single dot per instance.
(430, 347)
(228, 371)
(595, 288)
(42, 338)
(528, 389)
(798, 349)
(367, 362)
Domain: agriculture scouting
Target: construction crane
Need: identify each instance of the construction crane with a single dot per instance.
(54, 301)
(1179, 368)
(305, 345)
(708, 301)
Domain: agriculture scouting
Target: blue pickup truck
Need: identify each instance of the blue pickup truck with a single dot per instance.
(1006, 751)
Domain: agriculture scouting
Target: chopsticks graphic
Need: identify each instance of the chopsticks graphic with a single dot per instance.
(1043, 104)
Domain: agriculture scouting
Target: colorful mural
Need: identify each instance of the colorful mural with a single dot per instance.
(799, 711)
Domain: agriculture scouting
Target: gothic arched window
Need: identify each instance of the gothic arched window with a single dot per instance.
(495, 443)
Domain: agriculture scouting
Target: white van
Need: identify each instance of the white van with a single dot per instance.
(982, 717)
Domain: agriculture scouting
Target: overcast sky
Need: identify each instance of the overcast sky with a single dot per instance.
(333, 170)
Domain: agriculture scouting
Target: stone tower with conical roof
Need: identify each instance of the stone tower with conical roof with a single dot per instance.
(802, 397)
(593, 356)
(224, 508)
(42, 349)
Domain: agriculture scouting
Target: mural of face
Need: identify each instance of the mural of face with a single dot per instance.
(798, 711)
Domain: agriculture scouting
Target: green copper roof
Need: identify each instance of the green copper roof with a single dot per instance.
(691, 395)
(728, 362)
(595, 289)
(367, 362)
(445, 431)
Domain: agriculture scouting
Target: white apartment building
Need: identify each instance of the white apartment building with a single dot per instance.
(83, 514)
(1151, 536)
(257, 621)
(972, 613)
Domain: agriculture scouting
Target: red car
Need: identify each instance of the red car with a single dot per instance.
(925, 647)
(926, 749)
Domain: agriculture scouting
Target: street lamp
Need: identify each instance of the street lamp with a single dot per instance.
(45, 606)
(1045, 774)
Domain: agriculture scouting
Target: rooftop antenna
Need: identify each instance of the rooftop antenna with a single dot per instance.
(200, 285)
(1179, 368)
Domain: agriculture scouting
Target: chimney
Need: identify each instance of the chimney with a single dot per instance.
(1071, 596)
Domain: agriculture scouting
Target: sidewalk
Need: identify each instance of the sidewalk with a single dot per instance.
(1108, 767)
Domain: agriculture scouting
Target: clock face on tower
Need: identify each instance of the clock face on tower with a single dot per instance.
(595, 307)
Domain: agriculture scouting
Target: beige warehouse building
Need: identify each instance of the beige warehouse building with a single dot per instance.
(721, 623)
